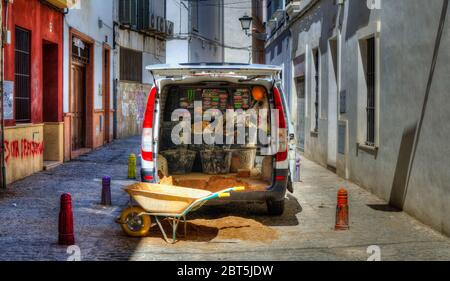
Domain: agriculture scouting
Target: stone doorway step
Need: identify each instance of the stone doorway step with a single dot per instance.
(48, 165)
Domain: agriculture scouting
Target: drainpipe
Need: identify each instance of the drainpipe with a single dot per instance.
(115, 80)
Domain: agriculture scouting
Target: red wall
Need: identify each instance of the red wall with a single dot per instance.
(45, 24)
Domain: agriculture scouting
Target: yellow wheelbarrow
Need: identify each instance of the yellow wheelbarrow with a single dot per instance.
(163, 202)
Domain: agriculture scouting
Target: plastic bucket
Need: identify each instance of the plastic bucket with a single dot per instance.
(216, 161)
(242, 159)
(180, 160)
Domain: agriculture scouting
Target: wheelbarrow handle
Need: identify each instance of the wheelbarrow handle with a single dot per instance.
(224, 195)
(220, 194)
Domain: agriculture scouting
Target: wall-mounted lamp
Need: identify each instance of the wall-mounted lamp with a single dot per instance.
(246, 22)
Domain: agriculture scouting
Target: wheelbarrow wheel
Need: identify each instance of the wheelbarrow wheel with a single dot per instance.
(133, 224)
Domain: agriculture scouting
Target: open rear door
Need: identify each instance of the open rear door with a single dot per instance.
(291, 138)
(244, 70)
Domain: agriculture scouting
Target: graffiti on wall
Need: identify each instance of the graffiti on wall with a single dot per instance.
(131, 107)
(22, 149)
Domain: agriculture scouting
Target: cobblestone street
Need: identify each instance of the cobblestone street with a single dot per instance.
(29, 214)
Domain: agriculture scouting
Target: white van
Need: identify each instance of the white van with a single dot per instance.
(192, 104)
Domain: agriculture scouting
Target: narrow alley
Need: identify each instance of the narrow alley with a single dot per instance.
(29, 213)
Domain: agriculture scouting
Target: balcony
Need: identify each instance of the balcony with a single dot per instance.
(63, 4)
(293, 7)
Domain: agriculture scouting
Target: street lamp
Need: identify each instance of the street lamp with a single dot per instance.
(246, 22)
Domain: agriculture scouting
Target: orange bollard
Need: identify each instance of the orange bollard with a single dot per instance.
(342, 222)
(65, 227)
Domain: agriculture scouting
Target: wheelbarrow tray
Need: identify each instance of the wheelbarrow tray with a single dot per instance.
(164, 199)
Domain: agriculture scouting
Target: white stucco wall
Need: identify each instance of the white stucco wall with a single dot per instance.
(178, 47)
(86, 21)
(238, 45)
(403, 59)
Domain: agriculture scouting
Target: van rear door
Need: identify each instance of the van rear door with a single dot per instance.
(245, 70)
(292, 154)
(150, 137)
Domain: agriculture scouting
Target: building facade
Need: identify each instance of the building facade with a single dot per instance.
(259, 15)
(198, 31)
(2, 127)
(140, 36)
(373, 110)
(278, 50)
(88, 77)
(210, 31)
(238, 46)
(32, 86)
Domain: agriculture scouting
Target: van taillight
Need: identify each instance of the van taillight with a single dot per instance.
(282, 153)
(147, 144)
(147, 131)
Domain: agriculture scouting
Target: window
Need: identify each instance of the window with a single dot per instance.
(370, 80)
(316, 58)
(80, 51)
(280, 48)
(130, 65)
(22, 75)
(194, 15)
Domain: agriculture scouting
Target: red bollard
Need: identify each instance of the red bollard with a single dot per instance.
(342, 222)
(66, 236)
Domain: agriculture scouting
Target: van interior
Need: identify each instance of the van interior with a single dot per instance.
(213, 167)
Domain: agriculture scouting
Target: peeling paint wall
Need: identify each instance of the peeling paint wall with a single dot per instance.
(131, 102)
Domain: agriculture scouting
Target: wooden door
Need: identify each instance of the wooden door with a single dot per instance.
(78, 106)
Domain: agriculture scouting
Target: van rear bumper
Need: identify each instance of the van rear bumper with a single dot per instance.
(276, 192)
(148, 175)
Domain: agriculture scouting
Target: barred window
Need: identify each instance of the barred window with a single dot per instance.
(371, 78)
(22, 75)
(130, 65)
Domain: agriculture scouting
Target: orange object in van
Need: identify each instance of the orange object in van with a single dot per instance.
(258, 93)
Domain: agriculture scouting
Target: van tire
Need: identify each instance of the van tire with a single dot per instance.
(275, 208)
(290, 186)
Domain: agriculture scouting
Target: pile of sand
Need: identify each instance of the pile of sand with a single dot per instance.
(213, 184)
(239, 228)
(227, 228)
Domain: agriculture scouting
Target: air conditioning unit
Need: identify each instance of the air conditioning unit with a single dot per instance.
(169, 27)
(153, 23)
(128, 13)
(161, 23)
(143, 13)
